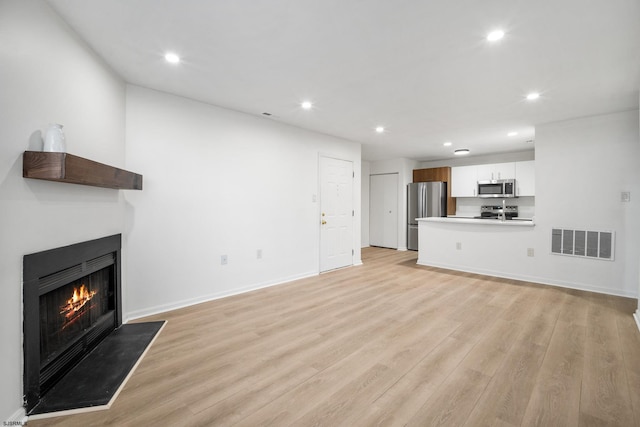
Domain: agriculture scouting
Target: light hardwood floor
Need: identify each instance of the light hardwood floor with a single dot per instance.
(389, 343)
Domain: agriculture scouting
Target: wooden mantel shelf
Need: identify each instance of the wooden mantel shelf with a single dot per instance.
(64, 167)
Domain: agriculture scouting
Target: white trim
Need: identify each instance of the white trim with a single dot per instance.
(636, 316)
(17, 418)
(402, 249)
(532, 279)
(163, 308)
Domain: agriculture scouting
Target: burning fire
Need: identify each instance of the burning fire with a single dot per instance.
(74, 307)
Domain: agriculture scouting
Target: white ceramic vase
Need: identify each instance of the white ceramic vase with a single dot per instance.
(54, 139)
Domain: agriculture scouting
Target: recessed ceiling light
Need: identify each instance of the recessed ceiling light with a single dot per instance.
(533, 95)
(172, 58)
(306, 105)
(380, 129)
(512, 133)
(447, 144)
(461, 152)
(495, 35)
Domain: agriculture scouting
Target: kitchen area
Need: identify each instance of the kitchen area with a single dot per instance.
(489, 193)
(475, 218)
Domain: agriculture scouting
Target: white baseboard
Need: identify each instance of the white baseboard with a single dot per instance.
(18, 418)
(533, 279)
(402, 249)
(636, 316)
(150, 311)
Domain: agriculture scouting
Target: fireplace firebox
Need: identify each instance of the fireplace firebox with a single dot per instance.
(71, 303)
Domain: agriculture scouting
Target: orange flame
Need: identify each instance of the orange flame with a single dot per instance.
(76, 302)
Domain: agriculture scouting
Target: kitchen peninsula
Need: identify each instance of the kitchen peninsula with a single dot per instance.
(485, 246)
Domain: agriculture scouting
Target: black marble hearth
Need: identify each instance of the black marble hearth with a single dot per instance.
(98, 378)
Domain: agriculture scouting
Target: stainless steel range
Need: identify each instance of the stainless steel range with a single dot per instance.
(495, 212)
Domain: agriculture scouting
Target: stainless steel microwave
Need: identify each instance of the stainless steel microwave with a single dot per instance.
(499, 188)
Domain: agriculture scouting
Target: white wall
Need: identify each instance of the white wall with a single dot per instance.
(490, 248)
(221, 182)
(404, 168)
(637, 313)
(366, 167)
(48, 75)
(582, 166)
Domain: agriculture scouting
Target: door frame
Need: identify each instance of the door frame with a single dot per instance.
(395, 208)
(319, 210)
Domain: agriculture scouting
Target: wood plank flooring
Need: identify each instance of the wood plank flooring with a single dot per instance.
(389, 343)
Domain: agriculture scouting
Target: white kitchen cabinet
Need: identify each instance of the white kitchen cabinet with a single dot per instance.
(383, 210)
(464, 181)
(496, 171)
(526, 178)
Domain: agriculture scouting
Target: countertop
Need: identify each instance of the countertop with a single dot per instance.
(520, 222)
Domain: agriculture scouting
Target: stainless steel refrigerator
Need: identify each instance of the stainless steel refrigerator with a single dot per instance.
(424, 199)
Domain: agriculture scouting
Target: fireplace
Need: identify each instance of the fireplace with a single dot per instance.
(71, 303)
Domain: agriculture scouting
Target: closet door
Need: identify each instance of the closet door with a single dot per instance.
(383, 210)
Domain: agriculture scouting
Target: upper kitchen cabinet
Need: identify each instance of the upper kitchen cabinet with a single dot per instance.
(525, 178)
(432, 174)
(464, 181)
(496, 171)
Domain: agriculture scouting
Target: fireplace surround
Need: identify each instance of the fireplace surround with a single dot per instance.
(72, 301)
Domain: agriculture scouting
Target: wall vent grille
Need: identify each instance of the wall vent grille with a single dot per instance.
(583, 243)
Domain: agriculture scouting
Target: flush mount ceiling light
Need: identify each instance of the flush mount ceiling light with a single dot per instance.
(447, 144)
(461, 152)
(172, 58)
(380, 129)
(512, 134)
(495, 35)
(306, 105)
(533, 95)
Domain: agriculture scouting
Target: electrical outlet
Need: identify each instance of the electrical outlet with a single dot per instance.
(530, 252)
(458, 245)
(625, 196)
(223, 260)
(259, 253)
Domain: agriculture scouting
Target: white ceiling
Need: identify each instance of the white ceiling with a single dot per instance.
(421, 68)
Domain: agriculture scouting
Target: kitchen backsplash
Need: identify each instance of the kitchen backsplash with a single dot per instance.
(470, 206)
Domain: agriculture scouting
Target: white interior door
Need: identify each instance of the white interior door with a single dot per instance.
(383, 210)
(336, 213)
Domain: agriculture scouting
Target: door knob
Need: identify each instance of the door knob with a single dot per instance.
(322, 213)
(324, 222)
